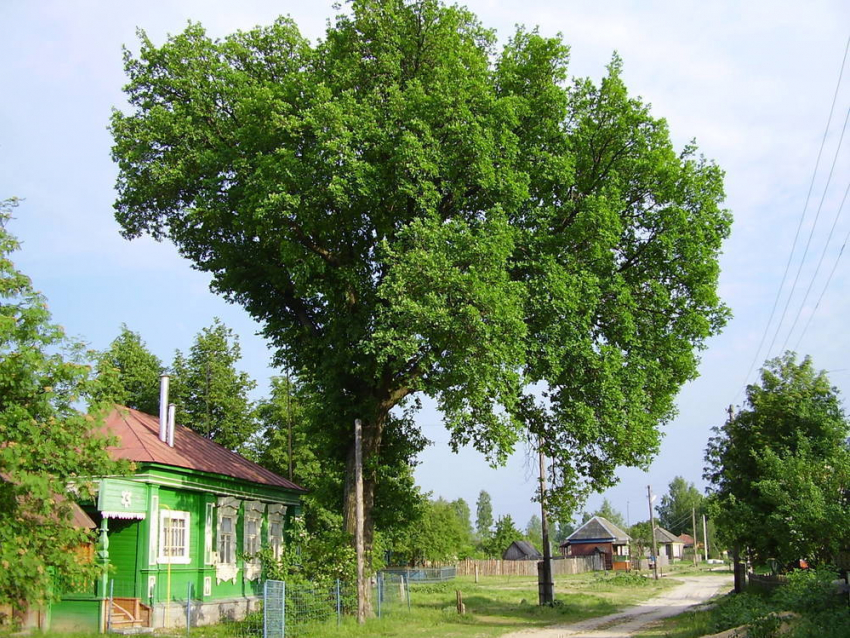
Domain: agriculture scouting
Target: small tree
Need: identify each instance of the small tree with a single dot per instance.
(677, 506)
(534, 531)
(130, 372)
(484, 515)
(641, 534)
(607, 511)
(504, 534)
(48, 447)
(210, 393)
(779, 469)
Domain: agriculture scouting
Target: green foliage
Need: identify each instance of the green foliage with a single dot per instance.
(676, 507)
(210, 394)
(562, 530)
(438, 534)
(504, 534)
(484, 515)
(641, 534)
(407, 210)
(607, 511)
(49, 447)
(534, 531)
(130, 373)
(780, 468)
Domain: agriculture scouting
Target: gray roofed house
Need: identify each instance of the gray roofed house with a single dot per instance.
(669, 544)
(597, 536)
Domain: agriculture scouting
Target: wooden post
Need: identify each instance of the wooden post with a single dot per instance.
(461, 608)
(476, 573)
(694, 521)
(546, 586)
(652, 530)
(705, 537)
(358, 522)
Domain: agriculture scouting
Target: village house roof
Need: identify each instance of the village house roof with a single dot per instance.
(686, 539)
(663, 536)
(521, 550)
(598, 530)
(138, 441)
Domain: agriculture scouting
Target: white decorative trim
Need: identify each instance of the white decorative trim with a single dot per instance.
(139, 516)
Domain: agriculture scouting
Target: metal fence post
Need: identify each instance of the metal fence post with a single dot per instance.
(188, 607)
(407, 590)
(380, 593)
(338, 605)
(109, 607)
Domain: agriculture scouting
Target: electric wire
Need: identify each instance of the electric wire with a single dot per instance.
(799, 225)
(823, 292)
(811, 234)
(817, 268)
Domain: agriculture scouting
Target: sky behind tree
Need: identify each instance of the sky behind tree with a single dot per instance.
(751, 82)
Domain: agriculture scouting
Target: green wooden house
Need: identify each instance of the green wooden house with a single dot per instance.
(180, 528)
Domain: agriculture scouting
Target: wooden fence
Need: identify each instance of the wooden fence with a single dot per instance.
(766, 581)
(560, 566)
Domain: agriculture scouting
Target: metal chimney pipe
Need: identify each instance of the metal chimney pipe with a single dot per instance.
(172, 409)
(163, 407)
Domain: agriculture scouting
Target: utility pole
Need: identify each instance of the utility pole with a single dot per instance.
(705, 537)
(358, 522)
(652, 530)
(694, 521)
(289, 419)
(546, 586)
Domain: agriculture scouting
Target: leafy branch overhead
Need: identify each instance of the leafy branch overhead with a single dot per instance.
(407, 209)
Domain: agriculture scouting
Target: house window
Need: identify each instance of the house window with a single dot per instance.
(275, 529)
(174, 537)
(226, 532)
(252, 536)
(208, 535)
(276, 537)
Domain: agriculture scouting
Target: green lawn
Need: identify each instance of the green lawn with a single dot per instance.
(498, 605)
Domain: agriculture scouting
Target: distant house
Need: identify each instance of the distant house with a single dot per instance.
(185, 524)
(687, 540)
(597, 536)
(669, 544)
(521, 550)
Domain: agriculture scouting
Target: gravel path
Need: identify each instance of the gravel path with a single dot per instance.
(693, 591)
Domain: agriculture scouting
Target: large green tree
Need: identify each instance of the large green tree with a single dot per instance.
(504, 533)
(211, 395)
(130, 372)
(677, 506)
(407, 211)
(48, 447)
(779, 469)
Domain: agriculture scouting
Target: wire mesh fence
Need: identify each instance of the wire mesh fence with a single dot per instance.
(299, 609)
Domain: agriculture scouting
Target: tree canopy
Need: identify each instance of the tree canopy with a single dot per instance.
(675, 511)
(484, 515)
(130, 372)
(211, 395)
(48, 447)
(780, 468)
(406, 209)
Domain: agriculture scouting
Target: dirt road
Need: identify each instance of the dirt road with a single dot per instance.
(693, 591)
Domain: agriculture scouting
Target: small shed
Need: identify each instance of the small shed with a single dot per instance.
(597, 536)
(521, 550)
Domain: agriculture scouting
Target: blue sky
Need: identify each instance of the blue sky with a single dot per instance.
(751, 82)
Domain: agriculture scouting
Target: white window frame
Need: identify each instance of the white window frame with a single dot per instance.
(252, 542)
(276, 518)
(232, 534)
(153, 539)
(175, 515)
(208, 535)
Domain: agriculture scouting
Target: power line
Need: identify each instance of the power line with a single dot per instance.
(825, 286)
(817, 269)
(799, 225)
(811, 234)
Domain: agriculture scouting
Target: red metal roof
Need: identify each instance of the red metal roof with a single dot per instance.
(138, 436)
